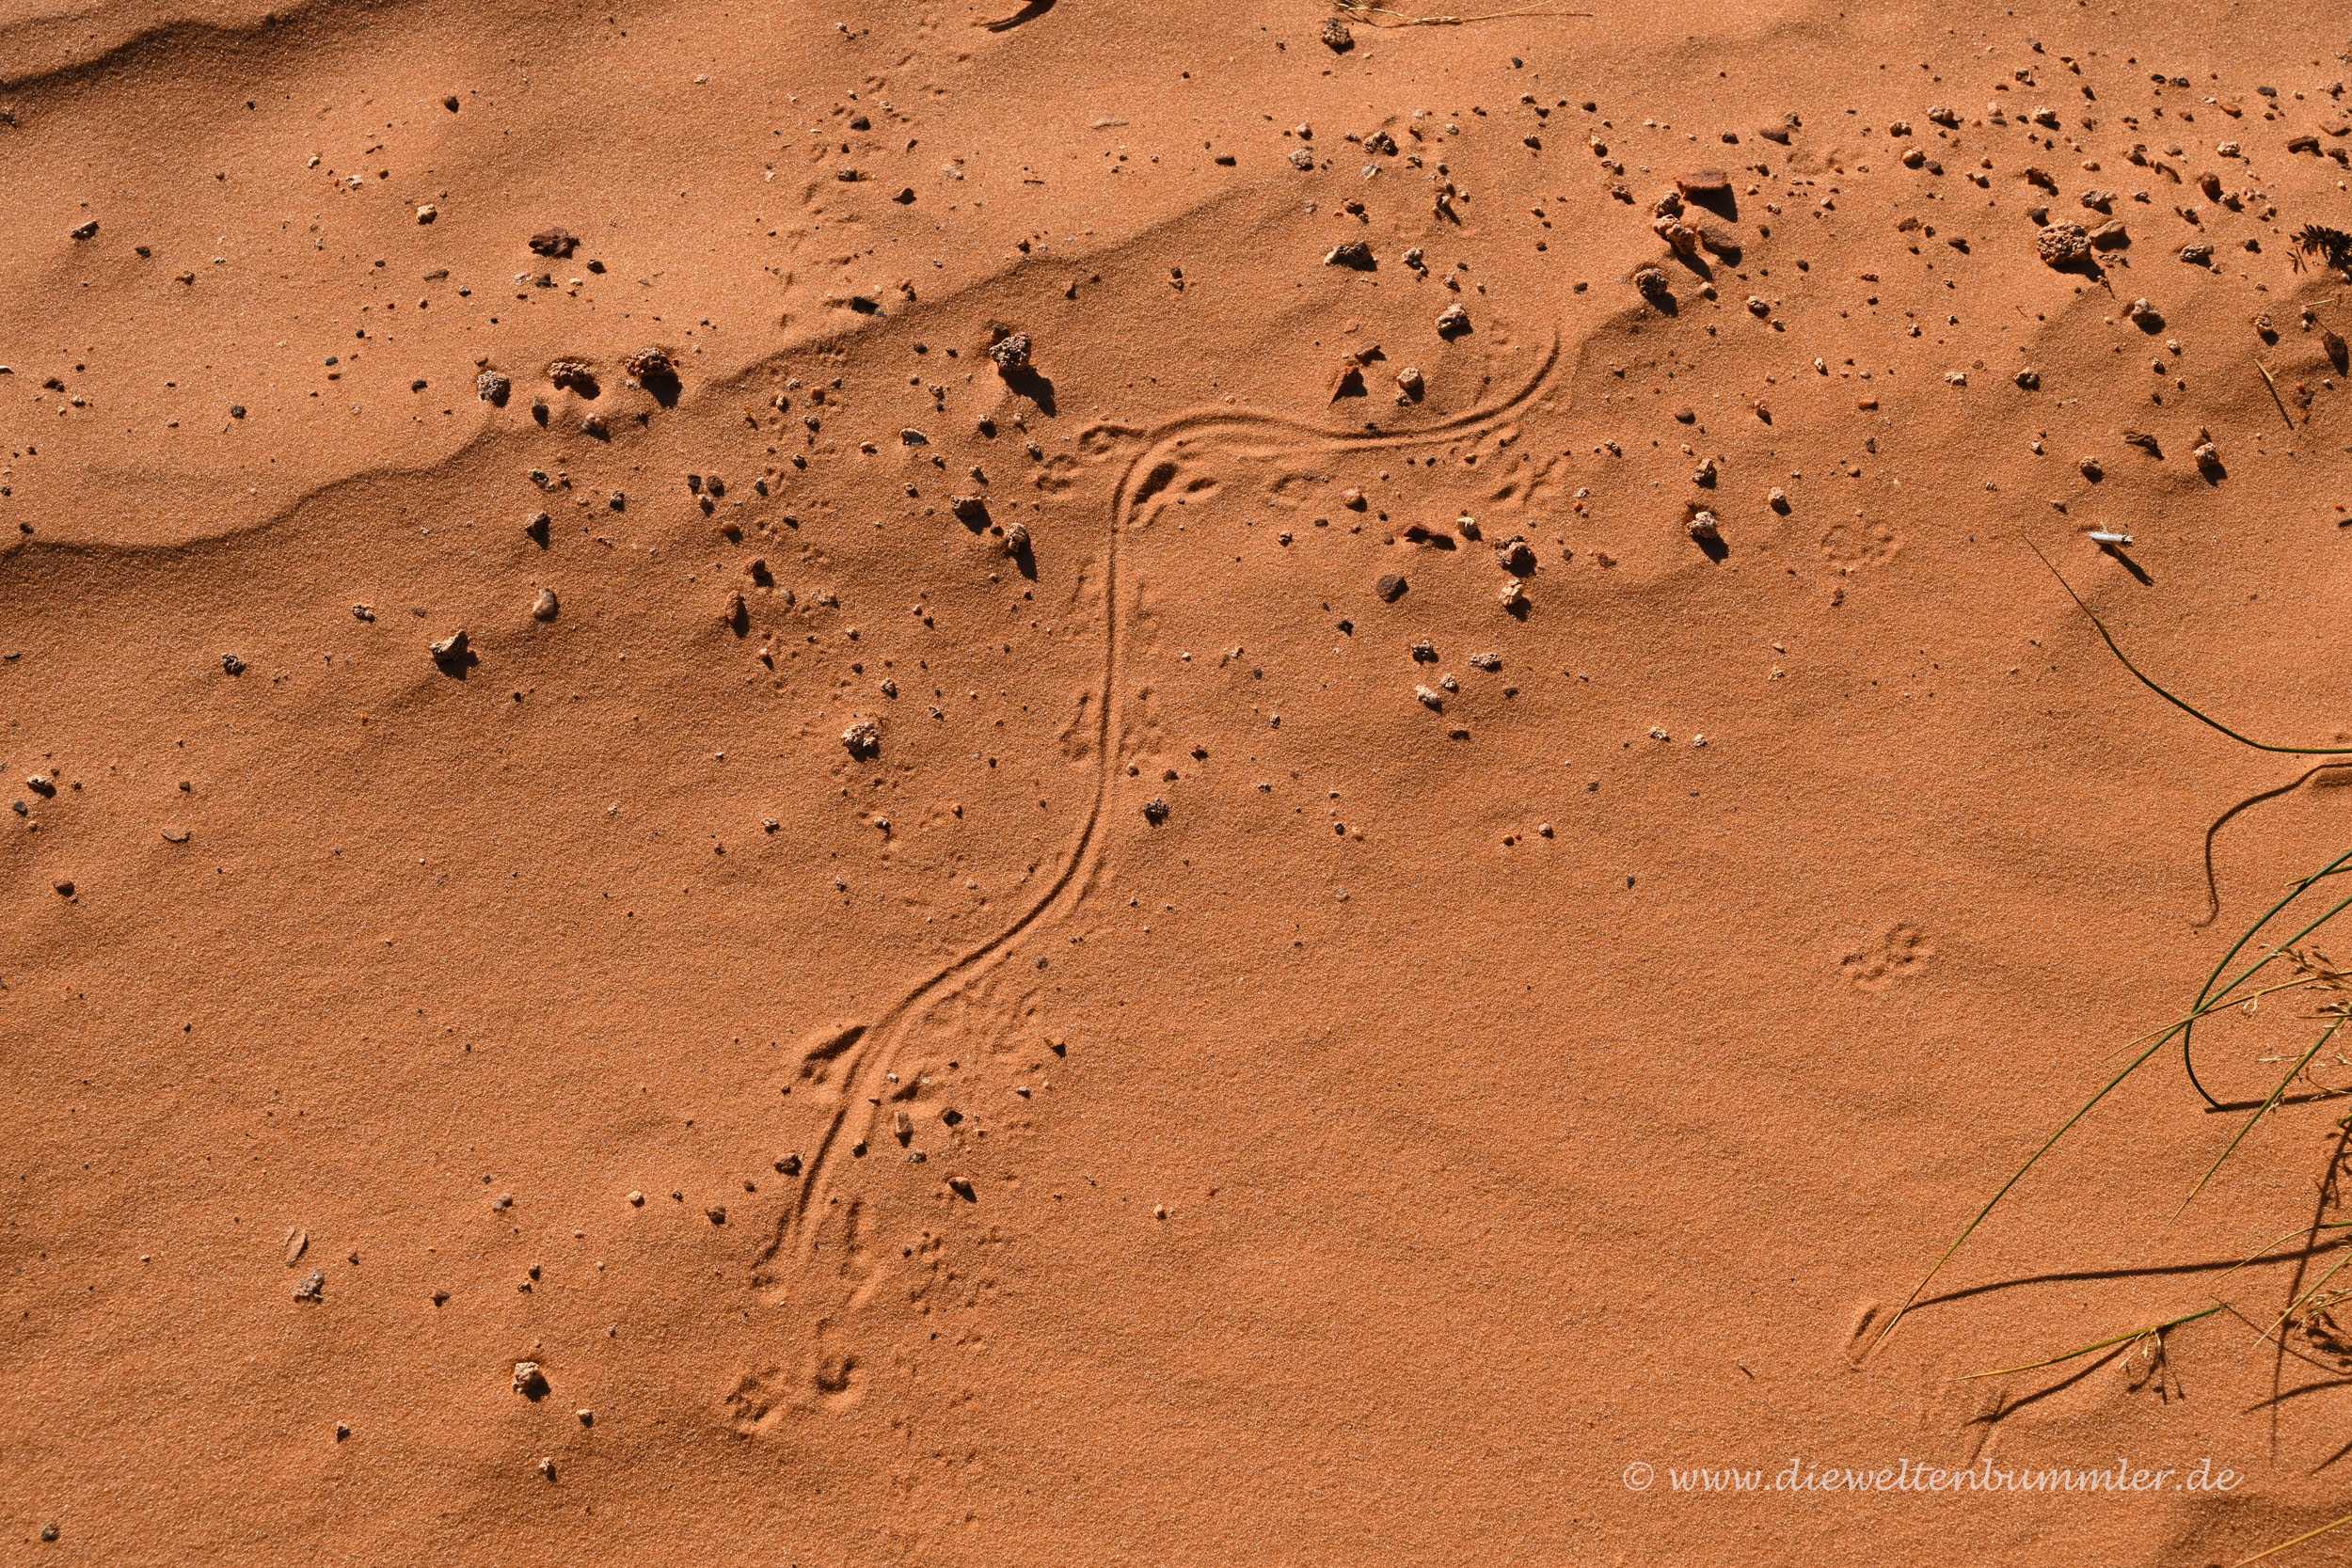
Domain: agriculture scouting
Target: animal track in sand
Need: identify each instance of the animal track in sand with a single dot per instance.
(814, 1259)
(829, 1379)
(1893, 956)
(1850, 545)
(1857, 1344)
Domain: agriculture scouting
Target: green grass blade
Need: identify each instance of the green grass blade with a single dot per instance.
(2208, 995)
(2275, 1095)
(2307, 1535)
(2163, 1038)
(2197, 714)
(2119, 1339)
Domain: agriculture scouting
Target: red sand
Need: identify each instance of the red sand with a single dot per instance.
(1453, 1100)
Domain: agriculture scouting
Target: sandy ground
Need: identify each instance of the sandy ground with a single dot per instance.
(1363, 983)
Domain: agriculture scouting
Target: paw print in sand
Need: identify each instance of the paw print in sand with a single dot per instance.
(1898, 953)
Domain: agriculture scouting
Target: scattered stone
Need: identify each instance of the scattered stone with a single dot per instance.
(594, 427)
(577, 374)
(2197, 255)
(493, 388)
(1514, 596)
(544, 606)
(297, 1242)
(1703, 181)
(2091, 469)
(1337, 37)
(1390, 588)
(1704, 527)
(84, 230)
(531, 1379)
(862, 739)
(1354, 253)
(556, 243)
(313, 1287)
(1017, 540)
(2063, 245)
(962, 1186)
(648, 366)
(2028, 378)
(1011, 353)
(1515, 556)
(427, 212)
(1410, 384)
(2110, 235)
(788, 1166)
(538, 528)
(1680, 236)
(451, 650)
(1301, 159)
(231, 663)
(1652, 283)
(1430, 700)
(1490, 662)
(717, 1214)
(63, 887)
(1155, 811)
(2144, 316)
(1453, 321)
(2208, 459)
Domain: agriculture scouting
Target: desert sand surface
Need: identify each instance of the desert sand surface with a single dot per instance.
(968, 783)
